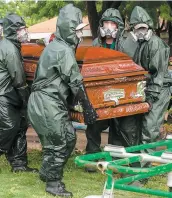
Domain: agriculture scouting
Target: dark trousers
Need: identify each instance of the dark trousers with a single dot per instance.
(13, 127)
(93, 134)
(124, 131)
(52, 123)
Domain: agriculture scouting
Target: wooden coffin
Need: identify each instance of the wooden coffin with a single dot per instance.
(114, 83)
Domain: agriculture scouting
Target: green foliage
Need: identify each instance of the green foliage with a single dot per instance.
(23, 8)
(34, 12)
(99, 6)
(82, 184)
(7, 7)
(51, 8)
(165, 12)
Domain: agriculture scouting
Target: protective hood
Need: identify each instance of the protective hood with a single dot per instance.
(69, 18)
(114, 15)
(11, 24)
(139, 15)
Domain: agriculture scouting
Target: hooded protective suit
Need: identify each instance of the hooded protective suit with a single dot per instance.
(13, 94)
(57, 75)
(123, 131)
(114, 15)
(153, 56)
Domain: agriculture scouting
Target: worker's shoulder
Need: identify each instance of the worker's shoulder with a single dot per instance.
(58, 48)
(157, 43)
(7, 46)
(96, 42)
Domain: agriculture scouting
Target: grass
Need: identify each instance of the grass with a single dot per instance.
(28, 185)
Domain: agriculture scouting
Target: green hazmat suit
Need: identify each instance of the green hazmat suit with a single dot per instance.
(123, 131)
(114, 15)
(153, 56)
(57, 75)
(13, 94)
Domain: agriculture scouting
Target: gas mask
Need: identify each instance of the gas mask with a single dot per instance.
(109, 29)
(79, 31)
(79, 34)
(23, 35)
(141, 32)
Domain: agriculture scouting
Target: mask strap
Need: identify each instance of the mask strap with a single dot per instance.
(134, 36)
(148, 35)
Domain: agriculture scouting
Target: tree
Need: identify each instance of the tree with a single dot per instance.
(22, 8)
(35, 12)
(49, 9)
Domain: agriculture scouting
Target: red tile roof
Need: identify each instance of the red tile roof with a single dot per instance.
(49, 26)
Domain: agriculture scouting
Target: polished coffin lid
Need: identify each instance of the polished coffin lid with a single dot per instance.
(96, 62)
(107, 74)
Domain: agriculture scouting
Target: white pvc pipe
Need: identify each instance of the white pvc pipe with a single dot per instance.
(145, 157)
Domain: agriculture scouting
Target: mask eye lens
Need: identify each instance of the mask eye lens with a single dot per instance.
(22, 30)
(110, 25)
(22, 35)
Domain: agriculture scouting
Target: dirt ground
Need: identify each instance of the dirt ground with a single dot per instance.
(33, 140)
